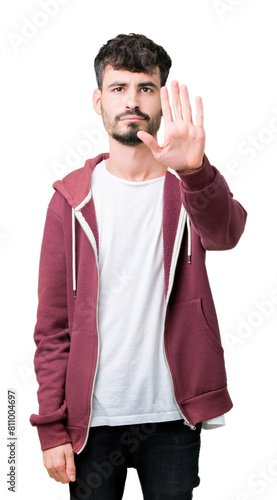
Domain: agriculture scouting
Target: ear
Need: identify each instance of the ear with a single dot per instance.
(96, 99)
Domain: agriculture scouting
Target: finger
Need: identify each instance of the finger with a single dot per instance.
(55, 463)
(57, 472)
(61, 475)
(186, 103)
(166, 109)
(70, 465)
(176, 101)
(199, 112)
(149, 140)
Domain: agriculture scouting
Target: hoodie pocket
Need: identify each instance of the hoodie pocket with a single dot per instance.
(193, 350)
(206, 330)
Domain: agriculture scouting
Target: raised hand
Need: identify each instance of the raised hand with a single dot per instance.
(184, 142)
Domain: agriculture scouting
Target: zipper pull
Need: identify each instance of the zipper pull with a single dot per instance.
(192, 427)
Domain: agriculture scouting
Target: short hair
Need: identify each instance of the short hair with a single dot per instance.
(133, 52)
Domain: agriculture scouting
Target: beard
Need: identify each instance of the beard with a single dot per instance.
(129, 137)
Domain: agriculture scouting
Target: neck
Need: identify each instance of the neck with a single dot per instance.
(133, 163)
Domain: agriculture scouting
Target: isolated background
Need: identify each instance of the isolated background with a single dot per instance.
(224, 51)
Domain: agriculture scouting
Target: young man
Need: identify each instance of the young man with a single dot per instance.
(129, 359)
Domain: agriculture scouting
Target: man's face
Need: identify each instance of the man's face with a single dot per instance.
(129, 102)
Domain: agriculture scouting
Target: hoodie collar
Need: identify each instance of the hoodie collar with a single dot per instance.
(76, 186)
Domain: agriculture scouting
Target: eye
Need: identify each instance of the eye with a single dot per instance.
(118, 89)
(146, 90)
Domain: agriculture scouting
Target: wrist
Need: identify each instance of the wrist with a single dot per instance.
(189, 170)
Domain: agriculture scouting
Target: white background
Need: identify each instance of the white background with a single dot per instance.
(224, 51)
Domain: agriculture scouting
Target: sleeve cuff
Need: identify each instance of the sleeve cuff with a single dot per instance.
(52, 435)
(201, 178)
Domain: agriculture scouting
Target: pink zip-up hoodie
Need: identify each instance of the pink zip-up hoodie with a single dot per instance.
(199, 214)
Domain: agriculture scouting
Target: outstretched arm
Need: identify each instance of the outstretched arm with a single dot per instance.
(218, 219)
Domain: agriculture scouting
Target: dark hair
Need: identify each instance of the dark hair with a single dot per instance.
(132, 52)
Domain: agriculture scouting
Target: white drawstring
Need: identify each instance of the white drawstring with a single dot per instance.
(174, 172)
(189, 240)
(73, 253)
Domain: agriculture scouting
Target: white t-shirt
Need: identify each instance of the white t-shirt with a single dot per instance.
(133, 384)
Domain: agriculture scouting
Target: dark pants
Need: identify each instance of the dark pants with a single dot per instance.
(165, 455)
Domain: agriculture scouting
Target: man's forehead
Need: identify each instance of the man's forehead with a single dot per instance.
(126, 76)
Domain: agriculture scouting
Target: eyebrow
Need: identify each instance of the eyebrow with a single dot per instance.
(141, 85)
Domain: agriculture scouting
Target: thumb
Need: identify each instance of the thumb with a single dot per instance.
(149, 140)
(70, 465)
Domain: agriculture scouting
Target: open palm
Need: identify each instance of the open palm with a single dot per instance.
(184, 142)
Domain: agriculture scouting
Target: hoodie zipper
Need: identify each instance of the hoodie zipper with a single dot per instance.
(186, 422)
(90, 236)
(183, 218)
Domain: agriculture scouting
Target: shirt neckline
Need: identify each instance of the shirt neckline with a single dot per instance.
(133, 183)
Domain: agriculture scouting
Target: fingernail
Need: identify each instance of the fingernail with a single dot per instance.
(72, 477)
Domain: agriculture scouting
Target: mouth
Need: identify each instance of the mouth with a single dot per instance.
(132, 118)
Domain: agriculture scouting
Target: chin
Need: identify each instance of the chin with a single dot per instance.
(127, 139)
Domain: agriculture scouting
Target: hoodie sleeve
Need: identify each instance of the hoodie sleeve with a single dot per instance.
(218, 219)
(51, 336)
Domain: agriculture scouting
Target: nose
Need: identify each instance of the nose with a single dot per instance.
(132, 101)
(132, 109)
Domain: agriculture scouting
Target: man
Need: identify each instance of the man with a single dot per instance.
(129, 358)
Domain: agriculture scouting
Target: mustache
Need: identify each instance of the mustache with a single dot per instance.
(136, 112)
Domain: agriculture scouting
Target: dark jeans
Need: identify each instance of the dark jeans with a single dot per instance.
(165, 455)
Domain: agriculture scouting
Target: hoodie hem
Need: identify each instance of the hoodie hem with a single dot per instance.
(207, 406)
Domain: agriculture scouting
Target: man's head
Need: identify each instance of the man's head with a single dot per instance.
(130, 70)
(133, 52)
